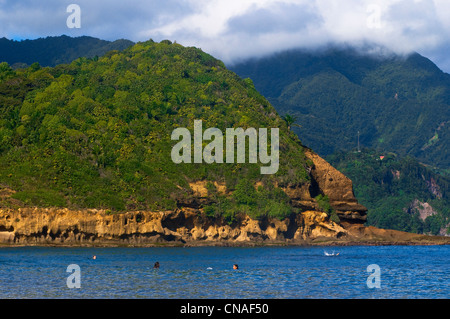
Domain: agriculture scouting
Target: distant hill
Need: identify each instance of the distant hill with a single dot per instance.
(51, 51)
(400, 104)
(400, 193)
(96, 133)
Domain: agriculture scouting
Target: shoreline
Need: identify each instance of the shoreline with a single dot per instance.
(444, 241)
(189, 228)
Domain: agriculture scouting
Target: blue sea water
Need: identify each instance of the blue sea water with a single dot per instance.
(411, 272)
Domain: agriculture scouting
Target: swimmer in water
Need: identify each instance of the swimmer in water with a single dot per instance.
(156, 266)
(94, 257)
(235, 266)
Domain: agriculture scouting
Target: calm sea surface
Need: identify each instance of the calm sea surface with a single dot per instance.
(206, 272)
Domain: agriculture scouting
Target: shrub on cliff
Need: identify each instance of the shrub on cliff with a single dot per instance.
(324, 205)
(246, 199)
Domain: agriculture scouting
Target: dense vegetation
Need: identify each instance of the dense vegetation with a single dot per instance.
(257, 202)
(389, 186)
(96, 133)
(51, 51)
(399, 104)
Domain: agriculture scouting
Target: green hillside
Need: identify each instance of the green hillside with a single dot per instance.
(399, 104)
(400, 193)
(51, 51)
(96, 133)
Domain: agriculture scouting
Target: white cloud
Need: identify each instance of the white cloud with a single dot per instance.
(235, 29)
(105, 19)
(232, 30)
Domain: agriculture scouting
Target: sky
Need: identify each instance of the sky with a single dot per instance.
(233, 30)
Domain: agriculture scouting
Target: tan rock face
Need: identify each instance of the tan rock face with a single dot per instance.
(88, 227)
(318, 225)
(325, 179)
(329, 181)
(188, 224)
(200, 190)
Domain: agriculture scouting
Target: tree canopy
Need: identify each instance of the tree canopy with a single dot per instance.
(96, 133)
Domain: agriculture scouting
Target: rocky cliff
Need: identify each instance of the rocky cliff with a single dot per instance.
(327, 180)
(324, 179)
(44, 226)
(190, 226)
(37, 226)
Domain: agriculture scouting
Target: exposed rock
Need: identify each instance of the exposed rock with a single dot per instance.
(372, 233)
(89, 227)
(6, 237)
(325, 179)
(188, 225)
(434, 188)
(425, 210)
(318, 225)
(200, 190)
(330, 182)
(34, 226)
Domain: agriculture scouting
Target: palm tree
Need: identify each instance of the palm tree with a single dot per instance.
(290, 121)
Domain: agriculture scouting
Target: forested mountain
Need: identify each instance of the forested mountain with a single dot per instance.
(400, 193)
(394, 105)
(397, 103)
(51, 51)
(88, 133)
(96, 133)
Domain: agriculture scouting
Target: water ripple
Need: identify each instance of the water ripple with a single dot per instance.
(293, 272)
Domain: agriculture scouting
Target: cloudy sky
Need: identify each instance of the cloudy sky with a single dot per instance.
(237, 29)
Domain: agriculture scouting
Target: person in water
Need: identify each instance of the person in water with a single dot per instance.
(156, 266)
(235, 266)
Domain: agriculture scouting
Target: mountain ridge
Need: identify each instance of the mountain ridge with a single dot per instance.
(397, 103)
(51, 51)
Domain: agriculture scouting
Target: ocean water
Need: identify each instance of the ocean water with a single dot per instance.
(411, 272)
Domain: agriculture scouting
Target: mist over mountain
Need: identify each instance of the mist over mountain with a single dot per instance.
(393, 104)
(397, 103)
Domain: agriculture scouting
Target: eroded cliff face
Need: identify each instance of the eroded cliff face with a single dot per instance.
(325, 180)
(40, 226)
(339, 189)
(188, 224)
